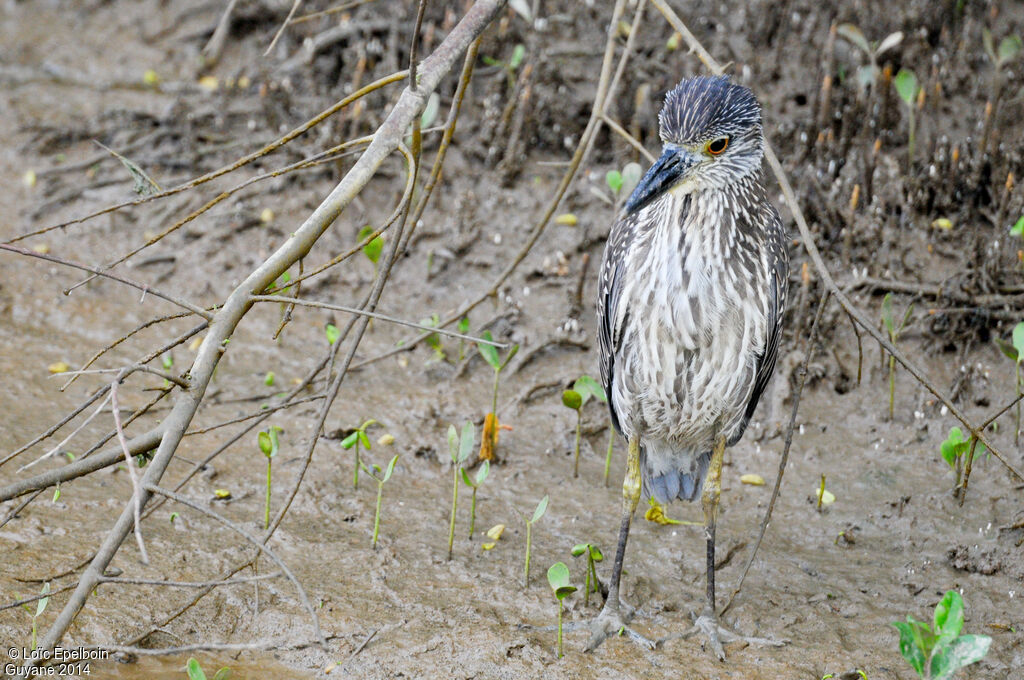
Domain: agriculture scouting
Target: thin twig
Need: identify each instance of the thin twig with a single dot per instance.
(133, 473)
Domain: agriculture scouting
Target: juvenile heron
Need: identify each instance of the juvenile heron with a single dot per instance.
(692, 293)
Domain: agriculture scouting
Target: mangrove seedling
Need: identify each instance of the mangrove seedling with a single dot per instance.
(373, 248)
(332, 333)
(354, 439)
(518, 53)
(40, 608)
(913, 97)
(582, 390)
(489, 444)
(1015, 351)
(938, 651)
(433, 340)
(954, 449)
(269, 445)
(481, 475)
(458, 449)
(558, 579)
(894, 331)
(195, 671)
(623, 183)
(381, 480)
(867, 75)
(538, 512)
(594, 555)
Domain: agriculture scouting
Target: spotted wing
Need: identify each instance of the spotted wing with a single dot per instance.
(778, 285)
(609, 325)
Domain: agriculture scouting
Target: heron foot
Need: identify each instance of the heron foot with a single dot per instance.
(611, 622)
(707, 625)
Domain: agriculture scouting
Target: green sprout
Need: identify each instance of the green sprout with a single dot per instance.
(558, 579)
(355, 438)
(40, 608)
(269, 378)
(938, 651)
(867, 75)
(462, 327)
(167, 361)
(894, 334)
(332, 333)
(954, 448)
(1009, 48)
(458, 449)
(481, 475)
(594, 555)
(1018, 227)
(433, 340)
(518, 53)
(490, 354)
(622, 183)
(269, 445)
(381, 480)
(1015, 351)
(913, 96)
(538, 512)
(373, 248)
(195, 671)
(582, 390)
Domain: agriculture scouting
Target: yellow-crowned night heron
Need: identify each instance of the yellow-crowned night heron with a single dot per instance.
(692, 293)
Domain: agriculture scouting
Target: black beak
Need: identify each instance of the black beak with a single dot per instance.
(662, 176)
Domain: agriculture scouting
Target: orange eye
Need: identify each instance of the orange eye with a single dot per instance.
(717, 146)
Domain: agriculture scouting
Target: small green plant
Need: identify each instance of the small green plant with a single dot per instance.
(538, 512)
(195, 671)
(373, 248)
(354, 439)
(912, 95)
(954, 449)
(622, 183)
(1018, 227)
(558, 579)
(510, 67)
(894, 331)
(381, 480)
(938, 651)
(332, 333)
(594, 555)
(582, 390)
(462, 327)
(269, 445)
(867, 75)
(1015, 351)
(458, 449)
(1009, 48)
(481, 475)
(40, 608)
(489, 352)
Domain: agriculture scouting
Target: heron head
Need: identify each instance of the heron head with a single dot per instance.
(712, 137)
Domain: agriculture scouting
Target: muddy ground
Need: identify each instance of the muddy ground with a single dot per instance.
(829, 582)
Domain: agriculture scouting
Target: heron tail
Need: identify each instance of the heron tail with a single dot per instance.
(669, 474)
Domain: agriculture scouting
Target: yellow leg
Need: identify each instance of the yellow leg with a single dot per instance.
(709, 499)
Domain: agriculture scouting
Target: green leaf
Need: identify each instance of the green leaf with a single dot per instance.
(365, 440)
(961, 652)
(466, 441)
(887, 313)
(518, 52)
(1006, 348)
(558, 579)
(267, 446)
(949, 617)
(614, 180)
(195, 671)
(579, 549)
(596, 554)
(631, 174)
(42, 602)
(223, 674)
(990, 48)
(1009, 47)
(867, 75)
(465, 477)
(349, 441)
(512, 351)
(909, 647)
(489, 352)
(332, 333)
(572, 399)
(1018, 338)
(463, 325)
(482, 472)
(540, 510)
(429, 114)
(372, 249)
(906, 85)
(855, 36)
(390, 468)
(268, 380)
(453, 443)
(588, 387)
(1018, 227)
